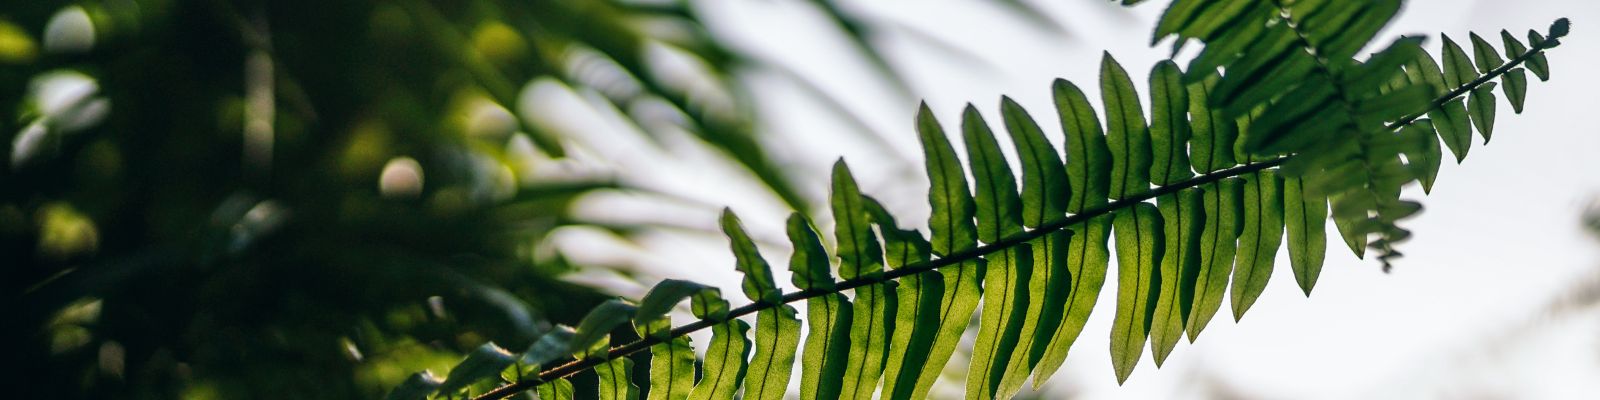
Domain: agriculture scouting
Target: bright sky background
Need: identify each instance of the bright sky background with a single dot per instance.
(1466, 314)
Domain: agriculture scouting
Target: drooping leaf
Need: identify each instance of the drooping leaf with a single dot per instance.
(724, 367)
(482, 363)
(1305, 213)
(827, 347)
(1426, 156)
(777, 338)
(1139, 249)
(559, 389)
(758, 284)
(1086, 262)
(1184, 220)
(1454, 128)
(417, 387)
(615, 381)
(1126, 134)
(1259, 240)
(1224, 217)
(1480, 107)
(590, 340)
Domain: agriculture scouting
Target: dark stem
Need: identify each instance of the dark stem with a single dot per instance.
(576, 366)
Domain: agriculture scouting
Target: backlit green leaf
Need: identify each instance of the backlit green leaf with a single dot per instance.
(758, 285)
(1306, 213)
(777, 338)
(615, 383)
(1180, 266)
(1259, 240)
(1224, 216)
(1126, 134)
(1139, 249)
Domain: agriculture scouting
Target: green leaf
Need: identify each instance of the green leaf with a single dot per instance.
(1169, 125)
(1259, 240)
(417, 387)
(659, 301)
(1180, 266)
(1452, 122)
(1126, 134)
(484, 362)
(1087, 258)
(1480, 107)
(1306, 213)
(590, 340)
(1485, 55)
(671, 369)
(998, 216)
(1139, 249)
(724, 365)
(1537, 63)
(758, 284)
(551, 346)
(1211, 148)
(1045, 195)
(870, 329)
(952, 232)
(1424, 69)
(777, 338)
(1457, 67)
(1224, 212)
(809, 263)
(559, 389)
(859, 254)
(615, 383)
(1088, 159)
(1515, 85)
(1425, 157)
(917, 310)
(827, 346)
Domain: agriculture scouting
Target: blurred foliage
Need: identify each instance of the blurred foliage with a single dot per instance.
(310, 199)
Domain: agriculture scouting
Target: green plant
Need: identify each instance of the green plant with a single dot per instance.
(1292, 126)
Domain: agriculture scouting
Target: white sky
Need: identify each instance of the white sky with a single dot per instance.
(1463, 315)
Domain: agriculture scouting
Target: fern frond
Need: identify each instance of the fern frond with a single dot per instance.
(1290, 132)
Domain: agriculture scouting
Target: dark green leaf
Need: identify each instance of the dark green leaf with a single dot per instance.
(1454, 127)
(1180, 266)
(1088, 159)
(1086, 261)
(1126, 135)
(758, 285)
(809, 263)
(1306, 212)
(417, 387)
(597, 325)
(1139, 249)
(484, 362)
(1224, 212)
(1169, 125)
(1457, 66)
(1211, 148)
(1480, 107)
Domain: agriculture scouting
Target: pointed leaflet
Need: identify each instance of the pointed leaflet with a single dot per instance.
(1223, 213)
(1452, 123)
(560, 389)
(724, 365)
(1425, 70)
(1139, 248)
(550, 347)
(1169, 125)
(917, 307)
(1211, 147)
(1088, 164)
(1350, 224)
(828, 316)
(1457, 66)
(1424, 158)
(1259, 241)
(1044, 196)
(953, 231)
(483, 362)
(1515, 81)
(615, 383)
(1005, 292)
(873, 312)
(758, 285)
(777, 336)
(417, 387)
(1306, 213)
(1180, 265)
(1126, 133)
